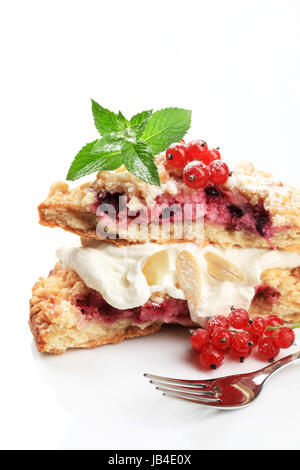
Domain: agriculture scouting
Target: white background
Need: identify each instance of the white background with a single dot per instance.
(236, 65)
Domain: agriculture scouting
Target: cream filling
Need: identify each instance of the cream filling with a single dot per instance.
(116, 272)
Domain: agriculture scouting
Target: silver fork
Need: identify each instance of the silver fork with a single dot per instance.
(231, 392)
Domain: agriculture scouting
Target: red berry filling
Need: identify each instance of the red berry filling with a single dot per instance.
(267, 293)
(94, 308)
(219, 207)
(113, 199)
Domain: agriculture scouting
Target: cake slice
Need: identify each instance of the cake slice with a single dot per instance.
(101, 293)
(252, 209)
(65, 313)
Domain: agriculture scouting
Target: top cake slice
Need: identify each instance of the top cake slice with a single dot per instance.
(252, 209)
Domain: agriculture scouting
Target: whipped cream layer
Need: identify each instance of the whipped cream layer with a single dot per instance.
(116, 272)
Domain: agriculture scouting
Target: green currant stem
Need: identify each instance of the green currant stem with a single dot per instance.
(295, 325)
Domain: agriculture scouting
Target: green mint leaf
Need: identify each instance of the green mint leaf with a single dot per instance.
(107, 121)
(132, 143)
(139, 121)
(139, 160)
(127, 134)
(99, 155)
(109, 143)
(165, 127)
(122, 121)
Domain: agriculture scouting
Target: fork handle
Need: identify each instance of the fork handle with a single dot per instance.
(275, 366)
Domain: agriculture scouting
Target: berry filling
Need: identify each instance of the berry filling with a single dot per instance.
(267, 293)
(94, 308)
(219, 207)
(114, 199)
(223, 208)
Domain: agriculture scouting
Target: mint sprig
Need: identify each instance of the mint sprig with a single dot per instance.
(106, 121)
(132, 143)
(165, 127)
(138, 159)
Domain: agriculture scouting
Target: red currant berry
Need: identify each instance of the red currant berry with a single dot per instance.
(176, 155)
(218, 172)
(217, 321)
(197, 150)
(240, 341)
(241, 356)
(199, 339)
(267, 349)
(284, 337)
(211, 358)
(238, 318)
(221, 339)
(254, 339)
(272, 320)
(195, 175)
(215, 154)
(256, 326)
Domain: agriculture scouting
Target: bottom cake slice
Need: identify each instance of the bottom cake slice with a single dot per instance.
(65, 313)
(57, 322)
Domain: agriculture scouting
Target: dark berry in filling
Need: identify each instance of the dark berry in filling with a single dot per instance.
(115, 199)
(260, 223)
(211, 191)
(235, 211)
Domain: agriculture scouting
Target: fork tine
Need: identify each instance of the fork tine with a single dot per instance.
(191, 383)
(186, 391)
(182, 388)
(199, 401)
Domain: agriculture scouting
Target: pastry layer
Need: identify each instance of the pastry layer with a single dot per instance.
(252, 209)
(57, 324)
(61, 317)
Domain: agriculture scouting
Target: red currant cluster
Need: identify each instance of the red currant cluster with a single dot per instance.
(200, 163)
(238, 334)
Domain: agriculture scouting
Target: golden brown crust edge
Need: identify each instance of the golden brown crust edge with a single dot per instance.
(130, 332)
